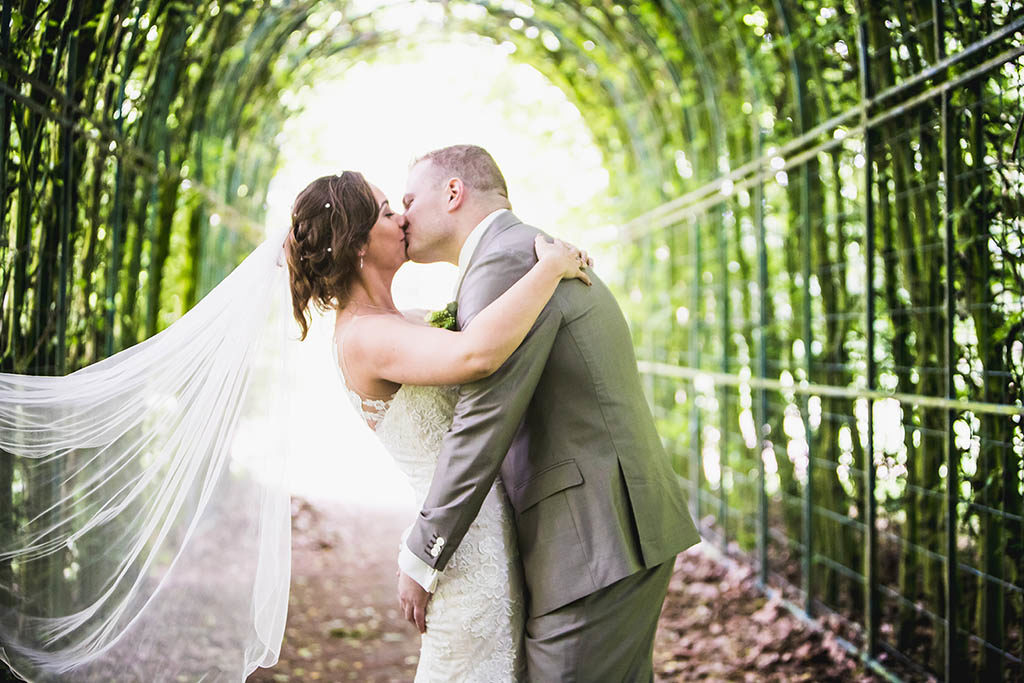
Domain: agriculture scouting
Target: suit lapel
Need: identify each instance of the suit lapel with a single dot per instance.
(497, 226)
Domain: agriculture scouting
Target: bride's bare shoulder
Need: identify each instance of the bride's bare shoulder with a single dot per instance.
(416, 315)
(362, 332)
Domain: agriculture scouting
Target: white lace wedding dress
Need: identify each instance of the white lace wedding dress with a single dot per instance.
(475, 618)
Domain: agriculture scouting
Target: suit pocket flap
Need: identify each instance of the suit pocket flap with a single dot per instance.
(556, 478)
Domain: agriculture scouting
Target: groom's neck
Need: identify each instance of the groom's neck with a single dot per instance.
(469, 222)
(459, 239)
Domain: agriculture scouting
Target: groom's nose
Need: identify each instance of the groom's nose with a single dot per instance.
(403, 222)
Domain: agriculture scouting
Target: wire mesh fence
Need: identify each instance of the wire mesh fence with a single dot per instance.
(832, 335)
(828, 308)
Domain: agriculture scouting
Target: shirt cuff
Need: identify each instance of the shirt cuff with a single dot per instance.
(420, 572)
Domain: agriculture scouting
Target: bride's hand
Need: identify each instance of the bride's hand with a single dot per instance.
(571, 260)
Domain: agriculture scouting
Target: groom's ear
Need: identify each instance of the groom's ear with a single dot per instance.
(455, 193)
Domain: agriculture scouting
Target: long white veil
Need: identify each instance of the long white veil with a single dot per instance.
(151, 538)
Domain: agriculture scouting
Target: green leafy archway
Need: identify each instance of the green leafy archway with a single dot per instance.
(821, 262)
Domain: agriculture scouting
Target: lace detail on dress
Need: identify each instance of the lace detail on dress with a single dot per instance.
(475, 620)
(372, 410)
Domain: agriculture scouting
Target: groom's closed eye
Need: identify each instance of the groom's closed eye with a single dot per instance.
(406, 201)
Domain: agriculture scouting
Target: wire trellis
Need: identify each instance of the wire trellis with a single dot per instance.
(837, 362)
(826, 298)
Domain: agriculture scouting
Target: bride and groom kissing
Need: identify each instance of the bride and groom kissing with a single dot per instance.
(550, 516)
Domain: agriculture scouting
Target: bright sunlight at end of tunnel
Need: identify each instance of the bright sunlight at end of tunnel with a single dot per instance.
(377, 116)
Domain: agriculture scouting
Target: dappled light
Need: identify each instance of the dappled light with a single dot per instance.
(811, 213)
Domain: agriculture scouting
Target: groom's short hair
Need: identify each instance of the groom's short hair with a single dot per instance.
(473, 164)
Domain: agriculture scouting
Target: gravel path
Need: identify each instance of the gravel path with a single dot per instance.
(344, 625)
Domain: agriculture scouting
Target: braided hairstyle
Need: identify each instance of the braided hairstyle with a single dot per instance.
(331, 221)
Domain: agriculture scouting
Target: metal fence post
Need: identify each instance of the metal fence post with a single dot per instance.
(808, 509)
(696, 327)
(871, 535)
(67, 206)
(724, 445)
(5, 43)
(951, 658)
(763, 434)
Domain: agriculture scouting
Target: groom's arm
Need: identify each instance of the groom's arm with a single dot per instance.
(487, 415)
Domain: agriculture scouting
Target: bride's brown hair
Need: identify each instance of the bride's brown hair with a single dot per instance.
(331, 221)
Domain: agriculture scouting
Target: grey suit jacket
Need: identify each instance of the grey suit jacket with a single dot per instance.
(567, 424)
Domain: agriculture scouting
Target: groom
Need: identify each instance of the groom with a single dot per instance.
(599, 512)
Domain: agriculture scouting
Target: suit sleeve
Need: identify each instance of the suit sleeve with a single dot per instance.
(487, 415)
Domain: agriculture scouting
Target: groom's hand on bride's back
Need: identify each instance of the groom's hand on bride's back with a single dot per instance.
(413, 599)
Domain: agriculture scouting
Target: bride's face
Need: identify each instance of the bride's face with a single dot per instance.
(386, 247)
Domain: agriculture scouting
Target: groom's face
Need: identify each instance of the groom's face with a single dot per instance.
(427, 218)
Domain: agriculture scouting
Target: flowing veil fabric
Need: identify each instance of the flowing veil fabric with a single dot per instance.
(151, 531)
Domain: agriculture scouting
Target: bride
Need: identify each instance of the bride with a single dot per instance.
(145, 535)
(344, 248)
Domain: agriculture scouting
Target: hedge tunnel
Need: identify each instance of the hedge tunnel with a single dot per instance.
(820, 254)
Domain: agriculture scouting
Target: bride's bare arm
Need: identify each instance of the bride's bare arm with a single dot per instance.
(406, 353)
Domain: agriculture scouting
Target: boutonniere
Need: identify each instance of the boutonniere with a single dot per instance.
(445, 318)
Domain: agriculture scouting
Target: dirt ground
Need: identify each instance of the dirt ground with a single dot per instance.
(344, 624)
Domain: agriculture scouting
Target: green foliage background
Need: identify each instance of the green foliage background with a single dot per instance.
(821, 253)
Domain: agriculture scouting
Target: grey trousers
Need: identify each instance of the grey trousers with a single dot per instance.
(604, 637)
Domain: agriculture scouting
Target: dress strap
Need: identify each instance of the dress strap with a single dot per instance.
(339, 350)
(371, 409)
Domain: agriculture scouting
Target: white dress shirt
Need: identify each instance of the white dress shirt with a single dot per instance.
(421, 572)
(472, 240)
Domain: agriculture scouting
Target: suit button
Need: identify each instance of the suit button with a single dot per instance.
(440, 541)
(435, 551)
